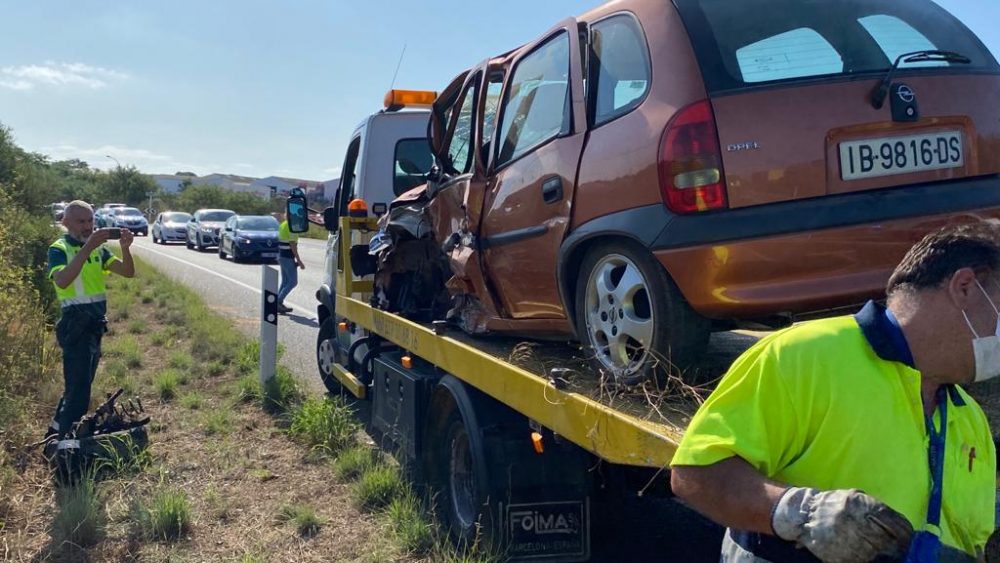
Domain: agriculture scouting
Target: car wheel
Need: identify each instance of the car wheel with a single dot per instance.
(187, 241)
(634, 319)
(198, 242)
(326, 356)
(145, 232)
(222, 253)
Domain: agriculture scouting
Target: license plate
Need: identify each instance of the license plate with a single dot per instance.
(269, 254)
(887, 156)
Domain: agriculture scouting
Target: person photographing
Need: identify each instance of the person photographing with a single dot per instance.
(78, 263)
(849, 439)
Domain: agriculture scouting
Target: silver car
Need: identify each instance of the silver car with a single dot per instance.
(203, 228)
(129, 218)
(170, 226)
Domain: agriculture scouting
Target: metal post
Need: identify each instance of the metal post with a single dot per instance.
(268, 323)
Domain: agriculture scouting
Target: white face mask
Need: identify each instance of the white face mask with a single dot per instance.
(986, 348)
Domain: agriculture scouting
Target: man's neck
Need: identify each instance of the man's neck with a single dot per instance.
(928, 395)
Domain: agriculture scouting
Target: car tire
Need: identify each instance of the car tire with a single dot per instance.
(222, 253)
(633, 318)
(198, 243)
(145, 232)
(326, 356)
(187, 242)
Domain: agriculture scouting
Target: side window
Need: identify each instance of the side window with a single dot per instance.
(896, 37)
(349, 174)
(619, 67)
(536, 106)
(412, 162)
(460, 145)
(793, 54)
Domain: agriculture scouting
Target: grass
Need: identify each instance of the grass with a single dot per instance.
(192, 400)
(353, 462)
(123, 457)
(138, 326)
(127, 349)
(180, 361)
(80, 519)
(412, 530)
(166, 383)
(325, 424)
(306, 522)
(166, 517)
(378, 487)
(218, 422)
(281, 392)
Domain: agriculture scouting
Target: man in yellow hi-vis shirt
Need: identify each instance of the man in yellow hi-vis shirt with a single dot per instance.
(78, 264)
(288, 261)
(849, 438)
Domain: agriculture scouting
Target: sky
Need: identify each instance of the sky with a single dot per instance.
(252, 87)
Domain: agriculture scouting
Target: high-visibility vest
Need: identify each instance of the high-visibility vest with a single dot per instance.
(89, 286)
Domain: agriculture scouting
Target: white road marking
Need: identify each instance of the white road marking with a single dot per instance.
(256, 290)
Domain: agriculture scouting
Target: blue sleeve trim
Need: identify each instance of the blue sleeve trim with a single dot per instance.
(57, 258)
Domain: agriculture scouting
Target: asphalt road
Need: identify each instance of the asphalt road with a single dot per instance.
(234, 290)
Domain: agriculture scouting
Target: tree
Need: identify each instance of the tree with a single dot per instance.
(127, 185)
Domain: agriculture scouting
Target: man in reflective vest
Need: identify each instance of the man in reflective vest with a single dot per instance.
(848, 439)
(78, 264)
(288, 260)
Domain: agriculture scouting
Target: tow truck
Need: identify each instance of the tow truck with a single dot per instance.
(521, 441)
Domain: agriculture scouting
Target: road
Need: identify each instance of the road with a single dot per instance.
(234, 290)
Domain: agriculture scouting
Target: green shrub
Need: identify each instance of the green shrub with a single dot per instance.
(378, 487)
(354, 462)
(167, 517)
(413, 531)
(166, 384)
(192, 400)
(324, 424)
(307, 523)
(180, 361)
(281, 392)
(80, 517)
(138, 326)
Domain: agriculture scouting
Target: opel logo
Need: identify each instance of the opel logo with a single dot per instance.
(906, 94)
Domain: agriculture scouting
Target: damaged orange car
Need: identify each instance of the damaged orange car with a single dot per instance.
(652, 171)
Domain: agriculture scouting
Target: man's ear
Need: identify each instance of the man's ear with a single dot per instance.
(961, 287)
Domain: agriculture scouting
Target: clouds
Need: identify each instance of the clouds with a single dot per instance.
(143, 159)
(58, 74)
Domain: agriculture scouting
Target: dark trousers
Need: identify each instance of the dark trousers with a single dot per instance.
(79, 336)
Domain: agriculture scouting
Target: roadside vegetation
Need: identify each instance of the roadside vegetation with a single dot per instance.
(235, 471)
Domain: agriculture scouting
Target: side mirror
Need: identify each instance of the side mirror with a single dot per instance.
(296, 210)
(330, 218)
(228, 228)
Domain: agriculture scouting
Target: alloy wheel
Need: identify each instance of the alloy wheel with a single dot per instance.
(619, 315)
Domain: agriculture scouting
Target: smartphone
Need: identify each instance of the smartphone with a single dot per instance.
(114, 234)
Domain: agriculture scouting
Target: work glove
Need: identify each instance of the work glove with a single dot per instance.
(841, 526)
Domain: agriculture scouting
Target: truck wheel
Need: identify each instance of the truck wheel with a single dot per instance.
(326, 355)
(462, 479)
(633, 317)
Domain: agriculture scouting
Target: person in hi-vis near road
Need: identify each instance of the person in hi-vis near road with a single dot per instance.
(288, 261)
(78, 264)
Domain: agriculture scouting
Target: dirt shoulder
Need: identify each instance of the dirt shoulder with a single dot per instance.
(224, 479)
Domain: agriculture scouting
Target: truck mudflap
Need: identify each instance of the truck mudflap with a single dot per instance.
(547, 531)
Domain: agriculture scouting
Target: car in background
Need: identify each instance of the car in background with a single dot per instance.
(57, 210)
(204, 226)
(129, 218)
(247, 237)
(101, 218)
(776, 165)
(113, 205)
(170, 226)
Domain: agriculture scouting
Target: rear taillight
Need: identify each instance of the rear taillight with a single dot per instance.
(690, 163)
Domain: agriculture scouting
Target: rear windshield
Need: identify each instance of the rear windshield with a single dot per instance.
(258, 224)
(129, 211)
(754, 42)
(216, 215)
(176, 217)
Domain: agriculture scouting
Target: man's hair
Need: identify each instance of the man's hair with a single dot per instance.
(75, 205)
(940, 254)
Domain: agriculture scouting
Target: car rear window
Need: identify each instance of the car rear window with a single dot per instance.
(754, 42)
(412, 162)
(176, 218)
(216, 215)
